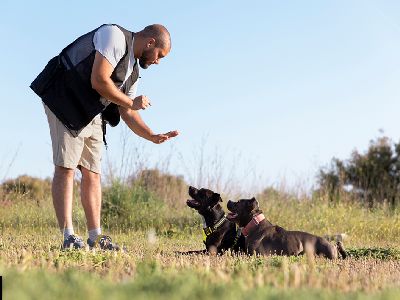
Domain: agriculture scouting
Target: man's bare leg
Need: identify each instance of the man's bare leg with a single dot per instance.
(91, 202)
(91, 197)
(62, 192)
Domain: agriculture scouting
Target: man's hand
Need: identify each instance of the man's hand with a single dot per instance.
(135, 123)
(160, 138)
(140, 102)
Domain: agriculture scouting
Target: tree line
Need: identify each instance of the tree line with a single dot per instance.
(372, 177)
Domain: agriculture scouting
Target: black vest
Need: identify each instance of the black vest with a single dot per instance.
(65, 86)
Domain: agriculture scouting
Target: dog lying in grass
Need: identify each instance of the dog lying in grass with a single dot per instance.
(219, 234)
(264, 238)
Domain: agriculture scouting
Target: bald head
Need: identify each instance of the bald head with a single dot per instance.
(159, 33)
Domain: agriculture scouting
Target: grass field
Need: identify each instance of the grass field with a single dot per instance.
(33, 267)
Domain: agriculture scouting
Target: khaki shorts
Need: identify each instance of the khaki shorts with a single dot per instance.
(83, 150)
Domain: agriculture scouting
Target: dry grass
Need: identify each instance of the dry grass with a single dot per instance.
(33, 265)
(155, 258)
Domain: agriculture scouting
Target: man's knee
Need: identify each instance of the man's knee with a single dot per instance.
(61, 172)
(90, 175)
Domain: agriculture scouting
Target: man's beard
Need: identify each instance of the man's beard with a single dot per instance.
(144, 59)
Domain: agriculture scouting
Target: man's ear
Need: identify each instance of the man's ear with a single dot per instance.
(151, 43)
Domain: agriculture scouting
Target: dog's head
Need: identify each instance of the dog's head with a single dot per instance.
(203, 200)
(242, 211)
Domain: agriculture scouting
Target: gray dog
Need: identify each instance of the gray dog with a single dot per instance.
(262, 237)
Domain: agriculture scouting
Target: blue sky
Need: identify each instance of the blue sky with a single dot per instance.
(276, 88)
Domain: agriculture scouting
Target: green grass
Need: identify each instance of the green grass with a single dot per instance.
(33, 267)
(153, 284)
(378, 253)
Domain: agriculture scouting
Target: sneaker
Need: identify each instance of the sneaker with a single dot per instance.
(104, 242)
(73, 241)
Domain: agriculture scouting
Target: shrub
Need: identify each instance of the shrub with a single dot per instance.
(129, 205)
(27, 186)
(371, 177)
(170, 188)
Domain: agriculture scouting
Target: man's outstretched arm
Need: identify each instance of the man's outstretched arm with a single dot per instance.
(137, 125)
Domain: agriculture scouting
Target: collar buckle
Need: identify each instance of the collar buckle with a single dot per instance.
(208, 231)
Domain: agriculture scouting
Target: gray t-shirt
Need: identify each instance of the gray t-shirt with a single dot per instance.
(110, 42)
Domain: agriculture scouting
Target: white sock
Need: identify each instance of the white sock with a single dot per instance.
(94, 233)
(67, 232)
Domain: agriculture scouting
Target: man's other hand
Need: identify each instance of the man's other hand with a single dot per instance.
(140, 102)
(160, 138)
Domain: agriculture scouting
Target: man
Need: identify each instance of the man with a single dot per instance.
(90, 83)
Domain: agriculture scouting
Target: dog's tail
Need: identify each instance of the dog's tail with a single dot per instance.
(341, 250)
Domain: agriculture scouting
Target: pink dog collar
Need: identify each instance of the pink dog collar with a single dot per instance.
(253, 223)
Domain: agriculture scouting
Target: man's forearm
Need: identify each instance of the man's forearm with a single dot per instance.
(135, 123)
(102, 83)
(107, 89)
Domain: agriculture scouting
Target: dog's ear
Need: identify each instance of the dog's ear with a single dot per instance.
(254, 203)
(217, 197)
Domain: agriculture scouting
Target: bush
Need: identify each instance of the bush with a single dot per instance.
(371, 177)
(27, 186)
(130, 205)
(272, 194)
(170, 188)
